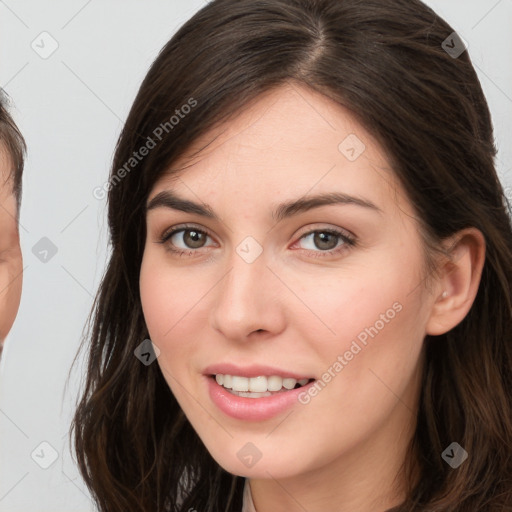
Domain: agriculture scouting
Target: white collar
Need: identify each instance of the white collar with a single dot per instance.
(248, 504)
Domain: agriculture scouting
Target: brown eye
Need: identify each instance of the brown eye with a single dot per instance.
(185, 240)
(324, 240)
(328, 241)
(193, 238)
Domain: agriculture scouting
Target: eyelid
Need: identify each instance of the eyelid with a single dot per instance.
(322, 227)
(185, 226)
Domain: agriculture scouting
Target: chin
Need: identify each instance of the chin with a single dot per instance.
(259, 467)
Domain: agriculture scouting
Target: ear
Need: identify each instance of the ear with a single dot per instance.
(458, 282)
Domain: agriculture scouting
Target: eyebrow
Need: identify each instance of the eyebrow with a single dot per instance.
(168, 199)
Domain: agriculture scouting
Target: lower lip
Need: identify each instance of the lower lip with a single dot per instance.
(253, 409)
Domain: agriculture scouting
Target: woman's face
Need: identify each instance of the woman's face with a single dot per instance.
(331, 290)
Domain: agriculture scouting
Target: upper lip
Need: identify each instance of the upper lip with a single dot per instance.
(253, 370)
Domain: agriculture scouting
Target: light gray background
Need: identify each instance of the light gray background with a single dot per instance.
(70, 108)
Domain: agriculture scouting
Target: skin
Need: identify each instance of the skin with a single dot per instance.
(295, 309)
(11, 263)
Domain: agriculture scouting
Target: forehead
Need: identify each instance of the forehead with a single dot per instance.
(290, 140)
(287, 118)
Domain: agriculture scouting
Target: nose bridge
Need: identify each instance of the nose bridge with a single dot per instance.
(245, 300)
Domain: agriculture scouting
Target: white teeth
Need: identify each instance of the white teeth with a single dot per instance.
(257, 385)
(289, 383)
(239, 383)
(274, 383)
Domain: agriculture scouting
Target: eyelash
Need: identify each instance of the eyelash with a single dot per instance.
(348, 241)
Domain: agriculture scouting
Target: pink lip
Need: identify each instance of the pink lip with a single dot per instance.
(252, 371)
(252, 409)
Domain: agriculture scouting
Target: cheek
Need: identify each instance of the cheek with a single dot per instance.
(165, 295)
(154, 298)
(376, 330)
(171, 301)
(161, 309)
(346, 303)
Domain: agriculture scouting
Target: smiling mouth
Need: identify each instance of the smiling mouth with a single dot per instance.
(258, 387)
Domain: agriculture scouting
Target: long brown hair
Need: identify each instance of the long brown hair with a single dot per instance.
(387, 62)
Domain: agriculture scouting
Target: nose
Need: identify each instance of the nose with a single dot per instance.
(248, 299)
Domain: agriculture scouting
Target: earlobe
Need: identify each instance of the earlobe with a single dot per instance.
(459, 277)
